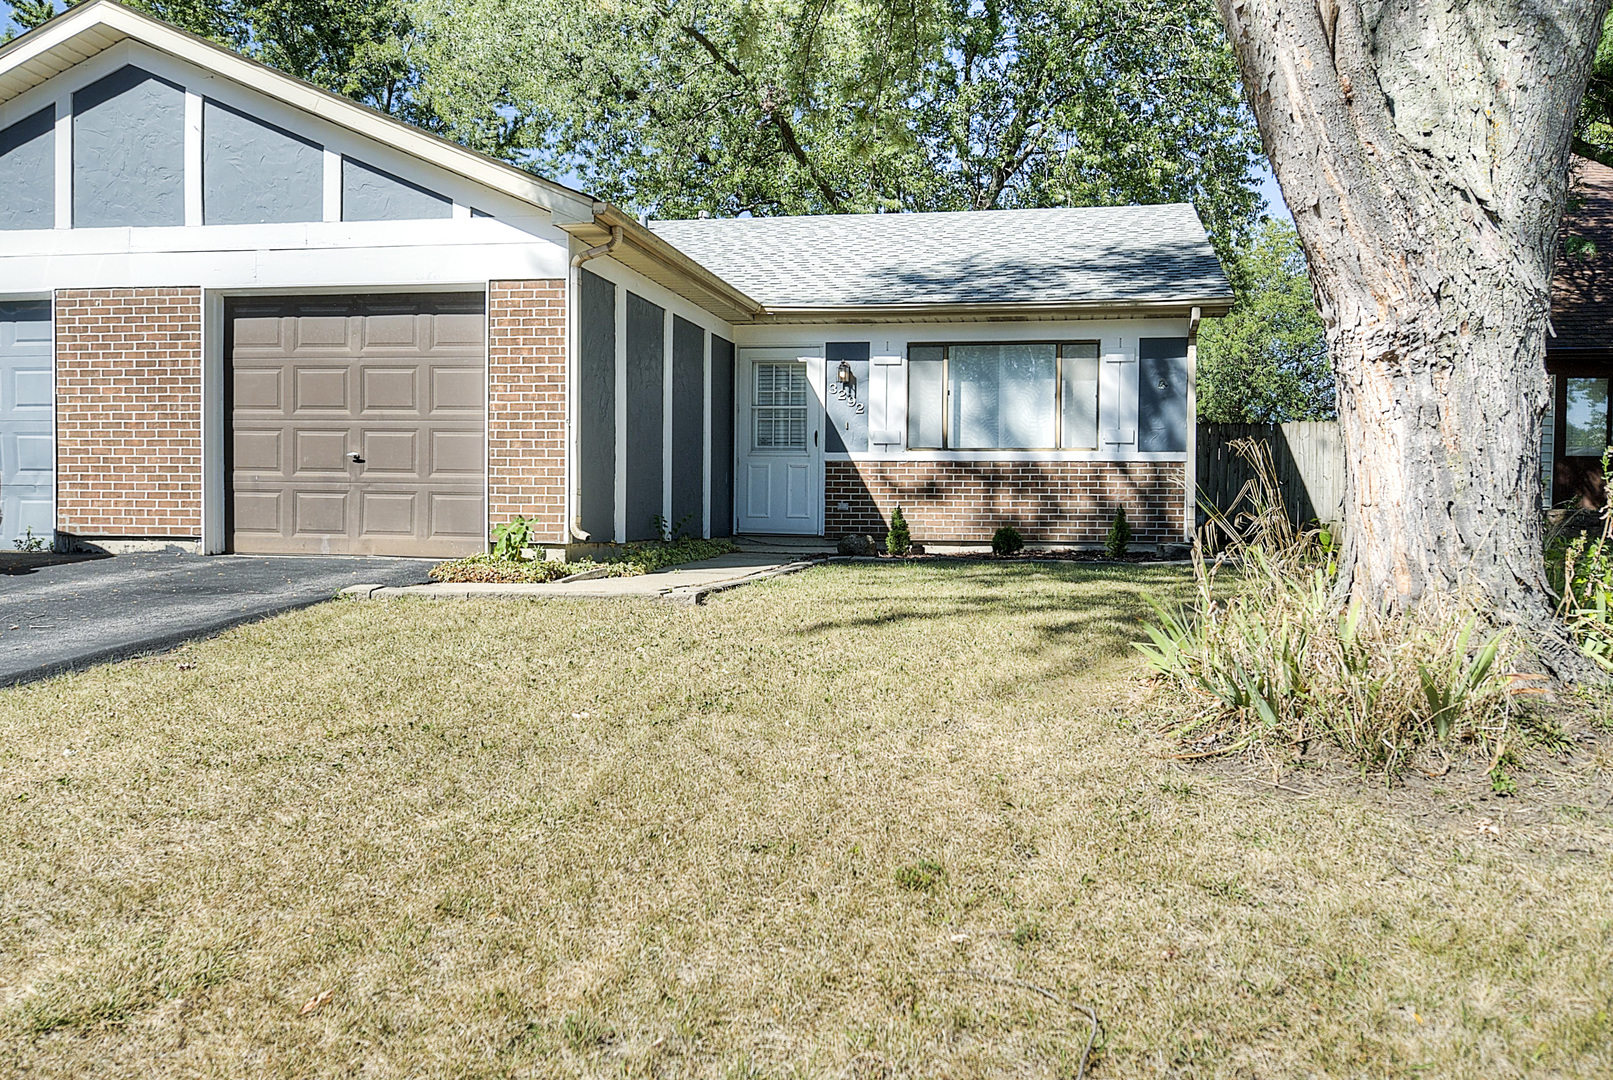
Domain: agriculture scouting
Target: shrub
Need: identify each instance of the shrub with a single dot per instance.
(1007, 541)
(898, 540)
(1279, 655)
(629, 560)
(512, 539)
(1582, 573)
(1119, 538)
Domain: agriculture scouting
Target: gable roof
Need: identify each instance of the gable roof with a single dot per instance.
(1582, 286)
(1086, 257)
(90, 28)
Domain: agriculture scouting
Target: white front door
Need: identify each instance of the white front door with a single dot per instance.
(780, 441)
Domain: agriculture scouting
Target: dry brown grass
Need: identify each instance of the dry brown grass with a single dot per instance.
(630, 839)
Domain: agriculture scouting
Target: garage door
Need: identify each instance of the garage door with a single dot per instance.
(356, 425)
(27, 438)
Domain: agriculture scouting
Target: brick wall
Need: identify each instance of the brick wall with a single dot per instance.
(526, 412)
(129, 412)
(1067, 502)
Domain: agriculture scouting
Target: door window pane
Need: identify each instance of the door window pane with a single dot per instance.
(779, 415)
(1078, 396)
(924, 407)
(1585, 429)
(1003, 396)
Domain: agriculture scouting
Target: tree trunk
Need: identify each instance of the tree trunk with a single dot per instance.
(1423, 148)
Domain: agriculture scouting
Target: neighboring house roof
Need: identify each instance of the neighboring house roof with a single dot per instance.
(1103, 256)
(1582, 285)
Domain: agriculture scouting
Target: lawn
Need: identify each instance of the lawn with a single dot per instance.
(758, 838)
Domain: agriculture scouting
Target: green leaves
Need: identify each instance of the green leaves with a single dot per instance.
(1267, 361)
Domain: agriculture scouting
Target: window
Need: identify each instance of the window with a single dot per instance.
(779, 413)
(1585, 432)
(1018, 396)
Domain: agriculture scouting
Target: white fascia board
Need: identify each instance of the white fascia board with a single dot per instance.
(301, 269)
(563, 203)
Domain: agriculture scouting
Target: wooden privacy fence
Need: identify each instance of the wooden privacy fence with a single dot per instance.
(1308, 454)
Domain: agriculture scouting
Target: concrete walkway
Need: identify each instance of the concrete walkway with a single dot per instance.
(689, 584)
(62, 613)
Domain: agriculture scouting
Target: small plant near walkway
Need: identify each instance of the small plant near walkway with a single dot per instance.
(1278, 655)
(898, 540)
(630, 560)
(1116, 544)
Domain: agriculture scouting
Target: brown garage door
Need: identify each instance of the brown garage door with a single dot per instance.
(356, 425)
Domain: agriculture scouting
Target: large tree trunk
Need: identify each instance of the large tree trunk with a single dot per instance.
(1423, 148)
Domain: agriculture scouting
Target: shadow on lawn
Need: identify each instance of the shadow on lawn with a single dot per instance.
(1056, 601)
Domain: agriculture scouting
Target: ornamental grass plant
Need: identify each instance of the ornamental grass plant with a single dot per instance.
(1271, 650)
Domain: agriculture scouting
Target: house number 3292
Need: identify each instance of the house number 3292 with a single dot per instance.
(848, 395)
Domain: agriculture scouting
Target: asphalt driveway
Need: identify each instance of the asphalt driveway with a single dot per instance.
(63, 613)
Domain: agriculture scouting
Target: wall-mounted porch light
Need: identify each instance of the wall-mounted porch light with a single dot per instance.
(844, 375)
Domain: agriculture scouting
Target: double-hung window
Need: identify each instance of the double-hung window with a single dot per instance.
(1006, 396)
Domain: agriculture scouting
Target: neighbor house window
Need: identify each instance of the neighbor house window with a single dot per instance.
(1585, 431)
(1004, 396)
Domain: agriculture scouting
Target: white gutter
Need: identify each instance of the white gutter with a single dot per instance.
(574, 530)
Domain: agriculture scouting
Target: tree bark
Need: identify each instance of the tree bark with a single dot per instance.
(1423, 149)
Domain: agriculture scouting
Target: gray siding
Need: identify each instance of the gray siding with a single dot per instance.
(1162, 396)
(688, 424)
(646, 409)
(722, 436)
(28, 172)
(847, 406)
(368, 194)
(254, 173)
(129, 151)
(596, 407)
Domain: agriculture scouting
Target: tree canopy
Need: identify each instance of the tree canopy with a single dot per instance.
(1267, 361)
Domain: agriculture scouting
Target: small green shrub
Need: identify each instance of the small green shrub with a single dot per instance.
(898, 539)
(512, 539)
(1007, 541)
(1119, 538)
(1581, 570)
(926, 875)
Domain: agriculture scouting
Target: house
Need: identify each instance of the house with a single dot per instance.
(1579, 353)
(241, 314)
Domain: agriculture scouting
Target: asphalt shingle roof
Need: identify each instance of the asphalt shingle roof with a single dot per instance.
(1582, 286)
(1103, 253)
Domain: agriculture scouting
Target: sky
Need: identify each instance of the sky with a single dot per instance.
(1268, 183)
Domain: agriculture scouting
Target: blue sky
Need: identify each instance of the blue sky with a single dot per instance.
(1268, 186)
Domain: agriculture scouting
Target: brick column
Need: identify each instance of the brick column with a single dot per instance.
(129, 412)
(526, 406)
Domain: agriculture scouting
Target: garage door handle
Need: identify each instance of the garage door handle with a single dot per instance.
(353, 455)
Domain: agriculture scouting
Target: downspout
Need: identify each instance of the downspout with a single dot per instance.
(573, 346)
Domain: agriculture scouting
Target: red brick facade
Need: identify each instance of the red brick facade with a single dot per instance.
(526, 410)
(1066, 502)
(129, 412)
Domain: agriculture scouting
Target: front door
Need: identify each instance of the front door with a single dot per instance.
(780, 442)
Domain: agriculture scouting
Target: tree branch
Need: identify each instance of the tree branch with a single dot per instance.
(773, 110)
